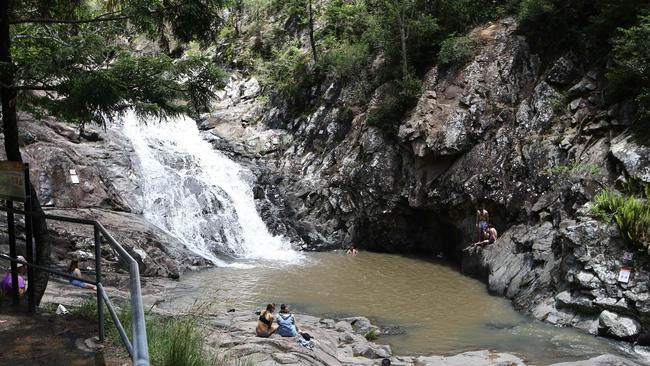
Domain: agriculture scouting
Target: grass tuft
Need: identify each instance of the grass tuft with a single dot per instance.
(372, 335)
(630, 213)
(173, 341)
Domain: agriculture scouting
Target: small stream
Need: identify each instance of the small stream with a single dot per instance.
(440, 310)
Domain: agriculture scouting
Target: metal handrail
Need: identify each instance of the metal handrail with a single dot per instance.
(138, 349)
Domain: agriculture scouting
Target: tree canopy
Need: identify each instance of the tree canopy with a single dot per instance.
(81, 61)
(79, 58)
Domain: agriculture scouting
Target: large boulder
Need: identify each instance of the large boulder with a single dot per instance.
(634, 157)
(618, 326)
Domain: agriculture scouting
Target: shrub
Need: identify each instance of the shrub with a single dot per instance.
(371, 335)
(629, 74)
(456, 50)
(631, 214)
(176, 342)
(345, 59)
(289, 73)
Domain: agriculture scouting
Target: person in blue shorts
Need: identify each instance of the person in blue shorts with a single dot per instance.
(74, 270)
(482, 220)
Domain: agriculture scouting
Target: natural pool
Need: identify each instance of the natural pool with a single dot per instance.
(440, 310)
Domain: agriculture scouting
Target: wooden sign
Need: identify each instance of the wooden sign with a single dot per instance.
(12, 181)
(624, 274)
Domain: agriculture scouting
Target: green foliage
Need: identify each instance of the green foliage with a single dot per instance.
(177, 342)
(629, 76)
(344, 60)
(559, 103)
(173, 341)
(187, 20)
(456, 50)
(395, 103)
(564, 171)
(631, 214)
(86, 72)
(555, 26)
(371, 335)
(289, 73)
(86, 310)
(345, 20)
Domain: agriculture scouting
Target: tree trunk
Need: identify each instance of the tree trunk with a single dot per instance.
(311, 33)
(402, 35)
(12, 148)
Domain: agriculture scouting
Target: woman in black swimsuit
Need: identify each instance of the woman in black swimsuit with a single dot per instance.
(265, 326)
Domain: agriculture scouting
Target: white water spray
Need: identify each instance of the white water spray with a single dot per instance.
(200, 196)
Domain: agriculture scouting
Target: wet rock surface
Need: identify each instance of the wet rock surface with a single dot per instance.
(532, 143)
(96, 179)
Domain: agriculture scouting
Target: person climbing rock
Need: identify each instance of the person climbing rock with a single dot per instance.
(482, 219)
(265, 327)
(286, 322)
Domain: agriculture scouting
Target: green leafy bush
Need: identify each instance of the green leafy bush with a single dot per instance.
(345, 59)
(289, 73)
(456, 50)
(372, 335)
(629, 76)
(631, 214)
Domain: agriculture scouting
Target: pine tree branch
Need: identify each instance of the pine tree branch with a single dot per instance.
(27, 87)
(101, 18)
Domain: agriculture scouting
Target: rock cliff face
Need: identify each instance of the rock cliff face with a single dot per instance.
(108, 191)
(531, 143)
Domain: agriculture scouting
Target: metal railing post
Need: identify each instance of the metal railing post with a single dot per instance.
(11, 229)
(29, 243)
(141, 350)
(98, 279)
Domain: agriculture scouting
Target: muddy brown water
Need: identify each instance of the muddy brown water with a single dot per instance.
(439, 310)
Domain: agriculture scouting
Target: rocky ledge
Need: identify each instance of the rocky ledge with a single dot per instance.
(342, 342)
(569, 276)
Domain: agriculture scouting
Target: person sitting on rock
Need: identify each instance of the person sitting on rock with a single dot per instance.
(488, 236)
(491, 234)
(286, 322)
(73, 270)
(265, 327)
(7, 285)
(482, 219)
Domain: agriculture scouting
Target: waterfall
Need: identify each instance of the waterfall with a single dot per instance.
(198, 195)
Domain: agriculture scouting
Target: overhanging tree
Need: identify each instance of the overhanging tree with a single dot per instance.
(72, 59)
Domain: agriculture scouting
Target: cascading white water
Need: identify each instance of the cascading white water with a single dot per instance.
(198, 195)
